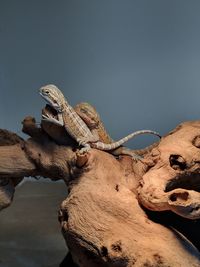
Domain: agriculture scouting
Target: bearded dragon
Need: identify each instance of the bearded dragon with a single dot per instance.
(92, 118)
(75, 126)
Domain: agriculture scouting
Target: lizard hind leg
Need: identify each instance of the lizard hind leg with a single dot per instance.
(86, 146)
(130, 152)
(126, 151)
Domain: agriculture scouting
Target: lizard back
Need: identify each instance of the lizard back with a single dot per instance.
(92, 118)
(74, 125)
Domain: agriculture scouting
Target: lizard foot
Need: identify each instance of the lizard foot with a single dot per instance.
(136, 157)
(133, 155)
(52, 120)
(85, 149)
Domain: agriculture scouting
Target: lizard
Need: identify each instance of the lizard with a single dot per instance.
(92, 118)
(75, 126)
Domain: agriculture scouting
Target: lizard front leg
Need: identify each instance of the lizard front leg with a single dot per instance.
(50, 119)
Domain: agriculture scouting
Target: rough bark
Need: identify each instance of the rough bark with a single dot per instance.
(7, 186)
(103, 219)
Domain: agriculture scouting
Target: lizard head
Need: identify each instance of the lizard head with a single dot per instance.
(89, 114)
(53, 96)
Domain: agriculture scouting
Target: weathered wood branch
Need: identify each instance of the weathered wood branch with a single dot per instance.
(103, 219)
(104, 224)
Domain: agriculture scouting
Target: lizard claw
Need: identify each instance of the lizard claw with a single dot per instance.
(45, 117)
(50, 119)
(136, 157)
(85, 149)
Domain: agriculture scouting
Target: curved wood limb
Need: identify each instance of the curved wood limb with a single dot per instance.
(102, 218)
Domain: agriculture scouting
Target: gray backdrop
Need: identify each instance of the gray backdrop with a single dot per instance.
(137, 61)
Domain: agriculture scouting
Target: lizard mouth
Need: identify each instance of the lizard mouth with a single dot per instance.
(188, 181)
(51, 102)
(51, 110)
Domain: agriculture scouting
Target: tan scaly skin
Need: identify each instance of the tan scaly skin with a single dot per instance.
(91, 117)
(75, 126)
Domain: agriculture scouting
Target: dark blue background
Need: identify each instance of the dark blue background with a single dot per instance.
(137, 61)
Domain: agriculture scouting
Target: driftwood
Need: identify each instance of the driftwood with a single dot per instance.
(105, 219)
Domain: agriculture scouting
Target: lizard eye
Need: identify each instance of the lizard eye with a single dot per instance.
(83, 110)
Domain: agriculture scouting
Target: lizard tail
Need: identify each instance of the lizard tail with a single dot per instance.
(103, 146)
